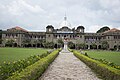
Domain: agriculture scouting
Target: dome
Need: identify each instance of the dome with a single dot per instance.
(49, 26)
(80, 27)
(65, 23)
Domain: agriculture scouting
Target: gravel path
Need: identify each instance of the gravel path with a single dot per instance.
(67, 67)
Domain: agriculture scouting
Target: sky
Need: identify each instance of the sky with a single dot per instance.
(35, 15)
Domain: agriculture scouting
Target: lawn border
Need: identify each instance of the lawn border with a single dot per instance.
(34, 71)
(105, 71)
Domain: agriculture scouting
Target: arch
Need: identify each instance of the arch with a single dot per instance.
(34, 45)
(91, 47)
(38, 45)
(95, 47)
(119, 47)
(15, 44)
(55, 46)
(41, 45)
(86, 47)
(99, 47)
(29, 45)
(115, 47)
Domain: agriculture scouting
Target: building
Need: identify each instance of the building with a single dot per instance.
(77, 36)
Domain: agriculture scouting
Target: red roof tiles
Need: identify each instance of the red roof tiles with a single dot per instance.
(19, 28)
(112, 30)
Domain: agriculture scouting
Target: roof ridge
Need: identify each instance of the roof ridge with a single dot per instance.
(19, 28)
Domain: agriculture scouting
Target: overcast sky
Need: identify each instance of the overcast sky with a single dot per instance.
(35, 15)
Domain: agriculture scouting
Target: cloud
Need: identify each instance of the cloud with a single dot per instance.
(20, 7)
(36, 15)
(95, 28)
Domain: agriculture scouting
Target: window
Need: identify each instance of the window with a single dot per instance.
(115, 37)
(80, 30)
(49, 30)
(80, 36)
(64, 35)
(49, 35)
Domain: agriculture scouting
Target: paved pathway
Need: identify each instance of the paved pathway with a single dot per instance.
(67, 67)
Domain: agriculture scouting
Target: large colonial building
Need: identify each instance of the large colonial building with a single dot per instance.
(77, 36)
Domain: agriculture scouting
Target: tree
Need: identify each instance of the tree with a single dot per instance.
(71, 45)
(82, 46)
(26, 42)
(60, 42)
(94, 46)
(103, 29)
(35, 42)
(1, 41)
(49, 45)
(105, 45)
(10, 43)
(41, 42)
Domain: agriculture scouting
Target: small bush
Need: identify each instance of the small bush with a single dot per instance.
(86, 54)
(108, 63)
(34, 71)
(105, 71)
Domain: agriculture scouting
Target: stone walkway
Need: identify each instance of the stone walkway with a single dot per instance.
(67, 67)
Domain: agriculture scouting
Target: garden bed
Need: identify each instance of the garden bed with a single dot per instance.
(35, 70)
(10, 68)
(105, 71)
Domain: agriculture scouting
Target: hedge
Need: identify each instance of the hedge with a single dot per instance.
(34, 71)
(105, 71)
(8, 69)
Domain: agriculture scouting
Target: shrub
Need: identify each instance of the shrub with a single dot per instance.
(86, 54)
(71, 45)
(108, 63)
(9, 68)
(34, 71)
(105, 71)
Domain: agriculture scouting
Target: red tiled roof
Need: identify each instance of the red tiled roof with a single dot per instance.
(19, 28)
(112, 30)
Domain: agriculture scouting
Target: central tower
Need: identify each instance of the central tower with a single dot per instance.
(65, 23)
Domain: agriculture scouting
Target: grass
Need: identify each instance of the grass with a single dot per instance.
(13, 54)
(110, 56)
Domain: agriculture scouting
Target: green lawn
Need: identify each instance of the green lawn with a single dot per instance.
(13, 54)
(110, 56)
